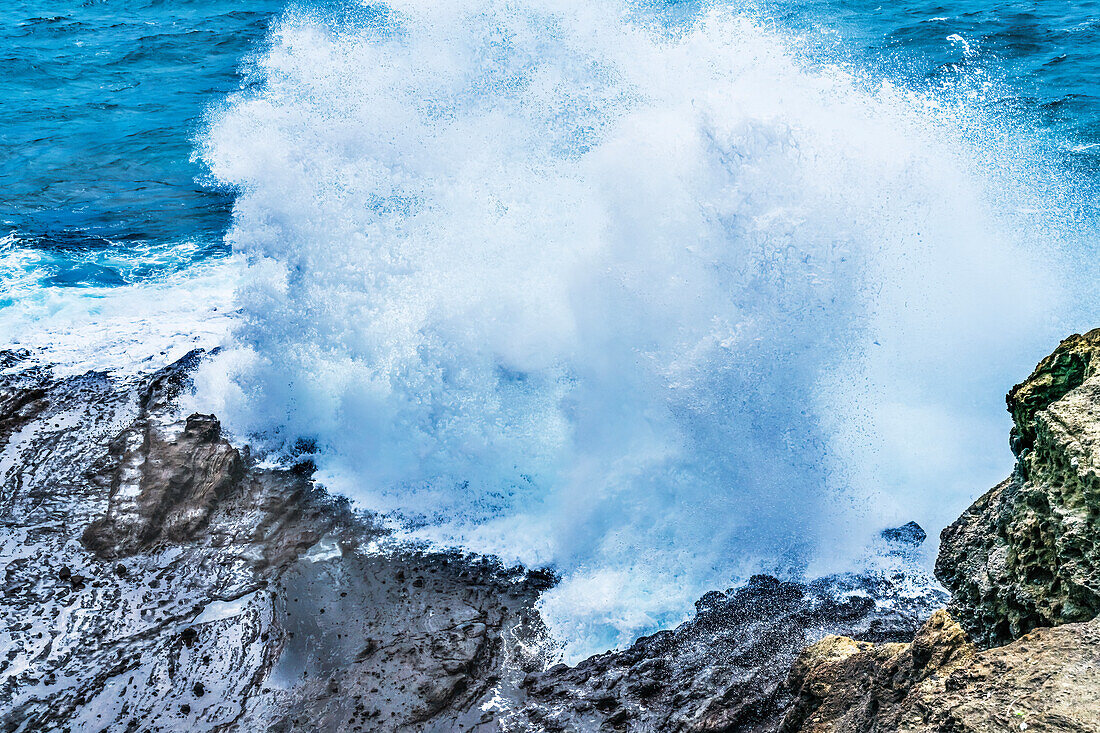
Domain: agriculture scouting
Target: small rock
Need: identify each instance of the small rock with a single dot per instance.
(188, 636)
(909, 533)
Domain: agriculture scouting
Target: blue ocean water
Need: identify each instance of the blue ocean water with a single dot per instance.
(1044, 58)
(659, 293)
(103, 101)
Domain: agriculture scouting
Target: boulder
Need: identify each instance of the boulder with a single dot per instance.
(909, 534)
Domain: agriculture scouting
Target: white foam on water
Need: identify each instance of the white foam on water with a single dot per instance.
(658, 308)
(121, 329)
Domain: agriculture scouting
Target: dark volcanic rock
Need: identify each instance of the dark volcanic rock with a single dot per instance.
(156, 578)
(910, 534)
(1027, 553)
(725, 669)
(165, 488)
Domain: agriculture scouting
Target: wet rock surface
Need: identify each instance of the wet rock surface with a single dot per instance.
(1027, 553)
(725, 670)
(156, 577)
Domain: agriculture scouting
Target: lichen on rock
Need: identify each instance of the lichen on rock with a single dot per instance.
(1055, 376)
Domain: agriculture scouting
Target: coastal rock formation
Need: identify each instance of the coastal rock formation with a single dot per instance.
(1027, 553)
(1023, 565)
(1048, 680)
(725, 669)
(156, 577)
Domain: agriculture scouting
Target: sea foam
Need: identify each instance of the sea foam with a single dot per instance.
(659, 306)
(127, 328)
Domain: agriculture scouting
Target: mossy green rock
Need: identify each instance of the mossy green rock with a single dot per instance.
(1066, 369)
(1027, 553)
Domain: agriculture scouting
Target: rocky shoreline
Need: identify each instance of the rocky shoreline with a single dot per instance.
(158, 578)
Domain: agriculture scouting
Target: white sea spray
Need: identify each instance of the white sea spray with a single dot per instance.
(658, 308)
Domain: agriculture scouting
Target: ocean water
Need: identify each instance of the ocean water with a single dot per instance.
(658, 294)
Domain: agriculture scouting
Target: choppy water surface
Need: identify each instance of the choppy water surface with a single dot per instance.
(103, 99)
(660, 294)
(1044, 57)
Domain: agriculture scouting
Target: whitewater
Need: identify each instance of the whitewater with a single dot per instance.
(656, 299)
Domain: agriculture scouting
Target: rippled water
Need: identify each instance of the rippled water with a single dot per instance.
(1044, 58)
(103, 101)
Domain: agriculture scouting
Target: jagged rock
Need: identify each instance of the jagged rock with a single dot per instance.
(910, 534)
(165, 489)
(246, 599)
(725, 669)
(1048, 680)
(158, 578)
(1027, 553)
(1073, 362)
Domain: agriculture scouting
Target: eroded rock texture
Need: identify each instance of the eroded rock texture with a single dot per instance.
(1023, 565)
(1048, 680)
(1027, 553)
(725, 669)
(158, 578)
